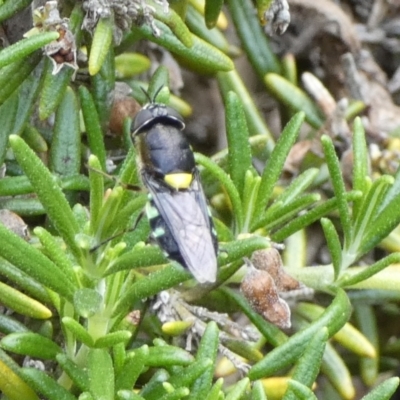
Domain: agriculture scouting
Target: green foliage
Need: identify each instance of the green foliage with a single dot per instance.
(108, 302)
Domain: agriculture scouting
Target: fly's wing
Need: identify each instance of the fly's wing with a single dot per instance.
(189, 227)
(201, 200)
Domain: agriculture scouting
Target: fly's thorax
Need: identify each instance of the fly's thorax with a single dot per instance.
(181, 225)
(166, 150)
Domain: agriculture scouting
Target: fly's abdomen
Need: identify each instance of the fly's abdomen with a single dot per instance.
(182, 227)
(162, 234)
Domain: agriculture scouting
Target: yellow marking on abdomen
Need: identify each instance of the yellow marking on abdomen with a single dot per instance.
(180, 180)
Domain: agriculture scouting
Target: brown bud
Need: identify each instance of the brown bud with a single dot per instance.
(14, 223)
(134, 317)
(261, 292)
(69, 57)
(59, 59)
(270, 260)
(121, 109)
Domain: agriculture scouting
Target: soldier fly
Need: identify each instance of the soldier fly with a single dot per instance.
(177, 209)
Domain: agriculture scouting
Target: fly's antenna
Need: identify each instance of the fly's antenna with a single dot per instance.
(146, 93)
(157, 92)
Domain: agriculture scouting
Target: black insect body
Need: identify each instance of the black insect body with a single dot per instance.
(177, 209)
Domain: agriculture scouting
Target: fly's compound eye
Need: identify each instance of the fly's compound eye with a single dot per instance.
(156, 113)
